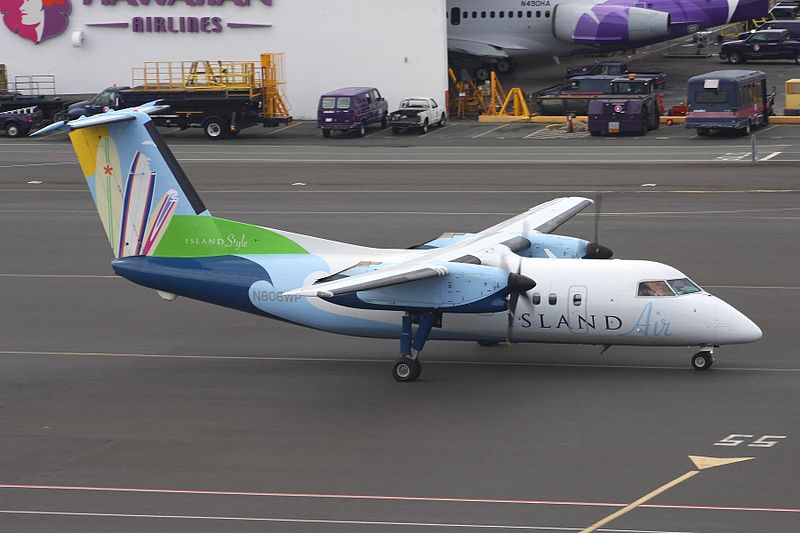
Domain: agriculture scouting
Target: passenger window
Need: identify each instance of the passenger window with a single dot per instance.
(519, 14)
(474, 14)
(466, 14)
(552, 299)
(483, 14)
(491, 14)
(376, 95)
(529, 14)
(536, 299)
(547, 14)
(538, 14)
(502, 14)
(433, 102)
(576, 299)
(654, 288)
(369, 98)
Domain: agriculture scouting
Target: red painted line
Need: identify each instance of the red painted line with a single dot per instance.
(392, 498)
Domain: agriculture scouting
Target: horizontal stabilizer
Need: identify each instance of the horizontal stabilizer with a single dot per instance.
(109, 117)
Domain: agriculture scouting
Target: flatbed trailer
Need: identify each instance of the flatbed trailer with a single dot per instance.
(221, 97)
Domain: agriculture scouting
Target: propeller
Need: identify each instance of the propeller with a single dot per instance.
(517, 284)
(594, 250)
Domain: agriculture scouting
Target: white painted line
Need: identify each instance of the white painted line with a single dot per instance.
(769, 128)
(437, 129)
(770, 156)
(37, 164)
(382, 130)
(491, 130)
(374, 497)
(321, 521)
(370, 360)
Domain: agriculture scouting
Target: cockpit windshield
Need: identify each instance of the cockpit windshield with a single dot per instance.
(670, 287)
(654, 288)
(683, 286)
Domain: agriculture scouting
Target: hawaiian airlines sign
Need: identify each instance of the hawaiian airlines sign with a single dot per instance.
(37, 20)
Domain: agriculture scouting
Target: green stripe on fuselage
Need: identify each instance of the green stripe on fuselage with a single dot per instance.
(205, 236)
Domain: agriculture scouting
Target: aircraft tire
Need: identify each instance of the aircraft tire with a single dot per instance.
(702, 361)
(406, 369)
(505, 66)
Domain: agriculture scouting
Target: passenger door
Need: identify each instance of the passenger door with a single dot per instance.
(577, 309)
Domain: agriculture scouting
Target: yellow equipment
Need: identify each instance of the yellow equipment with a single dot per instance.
(792, 97)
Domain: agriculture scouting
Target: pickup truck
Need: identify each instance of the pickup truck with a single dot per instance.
(616, 68)
(569, 100)
(417, 112)
(763, 44)
(18, 122)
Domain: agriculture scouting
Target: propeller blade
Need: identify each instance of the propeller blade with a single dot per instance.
(594, 250)
(598, 205)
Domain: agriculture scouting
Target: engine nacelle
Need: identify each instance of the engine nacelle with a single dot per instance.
(559, 245)
(602, 24)
(466, 288)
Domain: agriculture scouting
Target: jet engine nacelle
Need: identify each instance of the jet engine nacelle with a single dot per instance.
(602, 24)
(466, 288)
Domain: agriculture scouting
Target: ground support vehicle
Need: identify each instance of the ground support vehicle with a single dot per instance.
(51, 107)
(623, 115)
(732, 100)
(417, 112)
(577, 102)
(18, 122)
(351, 109)
(762, 44)
(222, 97)
(792, 97)
(616, 68)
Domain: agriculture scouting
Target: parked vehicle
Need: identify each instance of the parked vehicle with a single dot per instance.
(577, 101)
(222, 97)
(782, 11)
(792, 97)
(18, 122)
(616, 68)
(351, 109)
(417, 112)
(762, 44)
(623, 115)
(49, 106)
(792, 26)
(732, 100)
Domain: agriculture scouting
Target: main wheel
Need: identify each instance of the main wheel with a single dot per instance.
(215, 128)
(424, 127)
(735, 58)
(13, 129)
(702, 361)
(505, 66)
(482, 74)
(406, 369)
(362, 129)
(326, 132)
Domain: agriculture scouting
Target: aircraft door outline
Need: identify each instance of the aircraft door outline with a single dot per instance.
(576, 302)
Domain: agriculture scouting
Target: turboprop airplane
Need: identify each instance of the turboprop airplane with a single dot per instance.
(497, 32)
(515, 281)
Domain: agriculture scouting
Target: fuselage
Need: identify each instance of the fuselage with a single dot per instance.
(560, 27)
(575, 300)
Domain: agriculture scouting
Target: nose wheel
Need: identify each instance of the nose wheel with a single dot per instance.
(409, 367)
(703, 360)
(406, 369)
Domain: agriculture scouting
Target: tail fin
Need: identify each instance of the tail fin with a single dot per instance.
(145, 201)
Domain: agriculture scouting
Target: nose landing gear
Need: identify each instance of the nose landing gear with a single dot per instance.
(703, 359)
(409, 367)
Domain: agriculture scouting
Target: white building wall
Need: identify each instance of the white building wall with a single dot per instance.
(398, 47)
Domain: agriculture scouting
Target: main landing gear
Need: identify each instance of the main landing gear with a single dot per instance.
(703, 359)
(409, 367)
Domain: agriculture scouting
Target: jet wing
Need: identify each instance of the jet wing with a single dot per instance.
(475, 48)
(542, 218)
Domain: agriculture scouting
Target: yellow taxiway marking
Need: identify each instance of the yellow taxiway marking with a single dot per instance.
(700, 462)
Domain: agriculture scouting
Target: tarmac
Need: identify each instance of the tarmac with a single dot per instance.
(123, 412)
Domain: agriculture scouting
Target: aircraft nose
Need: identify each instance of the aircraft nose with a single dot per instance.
(733, 327)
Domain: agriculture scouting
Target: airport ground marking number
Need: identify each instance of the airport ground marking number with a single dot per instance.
(764, 441)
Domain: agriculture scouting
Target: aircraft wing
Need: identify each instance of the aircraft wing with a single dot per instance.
(475, 48)
(542, 218)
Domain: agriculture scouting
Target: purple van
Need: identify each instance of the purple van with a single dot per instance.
(351, 109)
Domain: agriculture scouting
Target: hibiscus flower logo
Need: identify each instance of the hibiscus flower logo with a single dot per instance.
(36, 20)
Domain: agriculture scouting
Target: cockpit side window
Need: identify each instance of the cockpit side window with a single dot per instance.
(683, 286)
(654, 288)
